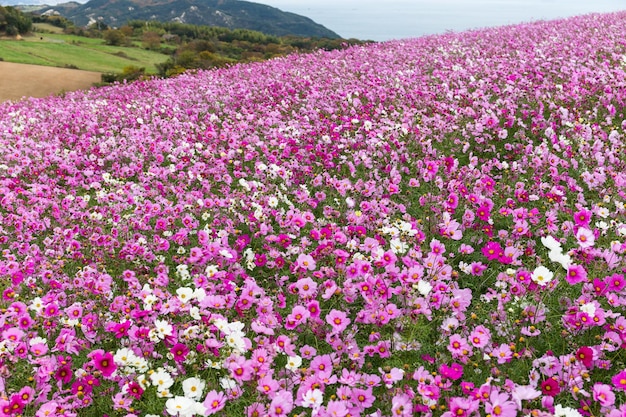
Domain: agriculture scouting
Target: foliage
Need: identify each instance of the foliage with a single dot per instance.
(13, 21)
(129, 73)
(57, 21)
(114, 37)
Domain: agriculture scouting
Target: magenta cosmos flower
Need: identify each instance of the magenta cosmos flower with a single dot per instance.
(103, 361)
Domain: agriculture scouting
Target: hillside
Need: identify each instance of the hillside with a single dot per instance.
(428, 227)
(231, 14)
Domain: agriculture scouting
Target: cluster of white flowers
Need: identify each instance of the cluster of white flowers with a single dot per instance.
(396, 230)
(186, 294)
(234, 335)
(130, 363)
(161, 330)
(248, 256)
(556, 252)
(182, 271)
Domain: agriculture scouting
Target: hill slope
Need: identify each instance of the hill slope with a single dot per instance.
(226, 13)
(431, 227)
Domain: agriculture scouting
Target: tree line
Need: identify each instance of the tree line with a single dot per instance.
(193, 47)
(203, 47)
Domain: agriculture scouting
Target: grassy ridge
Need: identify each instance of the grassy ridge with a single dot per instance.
(59, 50)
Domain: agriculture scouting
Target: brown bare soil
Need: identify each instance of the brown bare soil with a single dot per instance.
(21, 80)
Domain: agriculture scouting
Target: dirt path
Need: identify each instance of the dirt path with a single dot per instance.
(22, 80)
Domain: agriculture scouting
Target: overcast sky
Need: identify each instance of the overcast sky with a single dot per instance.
(398, 19)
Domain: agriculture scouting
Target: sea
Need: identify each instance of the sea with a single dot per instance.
(381, 20)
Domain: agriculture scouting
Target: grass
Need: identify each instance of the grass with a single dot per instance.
(89, 54)
(46, 28)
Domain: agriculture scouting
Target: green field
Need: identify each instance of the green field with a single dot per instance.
(90, 54)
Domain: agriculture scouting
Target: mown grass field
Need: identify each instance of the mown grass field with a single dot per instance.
(60, 50)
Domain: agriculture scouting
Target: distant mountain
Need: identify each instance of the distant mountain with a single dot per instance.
(233, 14)
(28, 2)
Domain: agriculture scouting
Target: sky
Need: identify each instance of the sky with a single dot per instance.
(381, 20)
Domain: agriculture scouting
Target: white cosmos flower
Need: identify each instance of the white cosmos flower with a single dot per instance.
(588, 308)
(551, 243)
(193, 388)
(236, 341)
(184, 294)
(179, 406)
(312, 399)
(293, 363)
(424, 287)
(542, 275)
(162, 329)
(564, 259)
(161, 379)
(398, 246)
(560, 411)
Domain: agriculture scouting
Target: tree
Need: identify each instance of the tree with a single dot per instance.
(114, 37)
(151, 40)
(14, 22)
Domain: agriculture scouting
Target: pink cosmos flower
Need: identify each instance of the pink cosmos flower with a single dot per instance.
(500, 405)
(306, 287)
(394, 375)
(24, 322)
(305, 262)
(322, 364)
(27, 394)
(48, 409)
(615, 282)
(503, 353)
(214, 402)
(401, 405)
(298, 315)
(256, 410)
(585, 238)
(576, 274)
(281, 404)
(465, 249)
(453, 372)
(492, 251)
(483, 212)
(268, 385)
(477, 268)
(480, 336)
(64, 374)
(603, 394)
(461, 407)
(619, 380)
(458, 346)
(339, 320)
(135, 390)
(437, 248)
(582, 218)
(39, 349)
(363, 398)
(12, 335)
(16, 405)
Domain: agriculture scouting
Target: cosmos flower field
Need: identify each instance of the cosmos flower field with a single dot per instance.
(432, 226)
